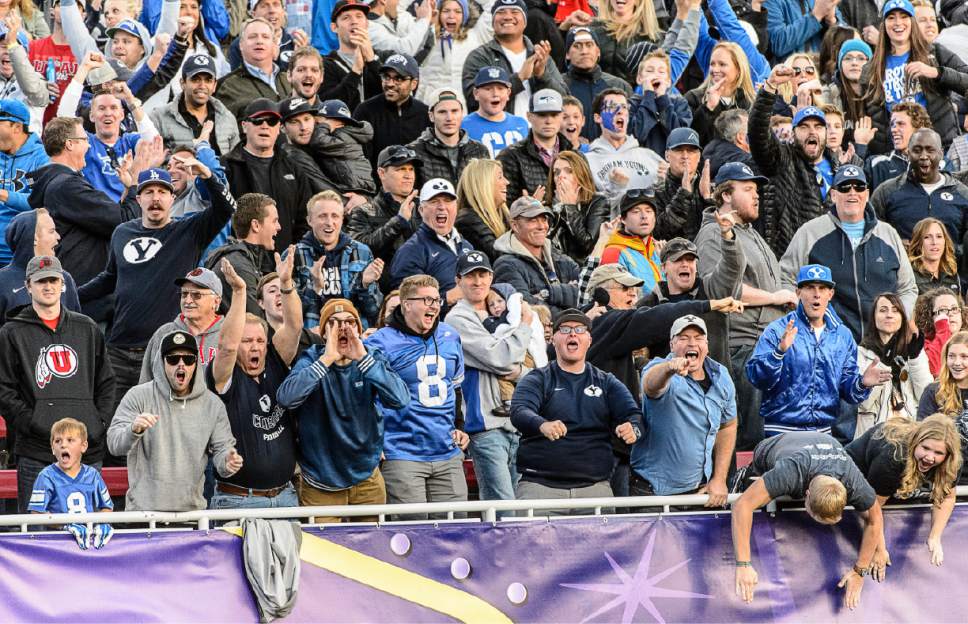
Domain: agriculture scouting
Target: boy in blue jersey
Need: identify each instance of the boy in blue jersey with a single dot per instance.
(423, 440)
(490, 124)
(68, 486)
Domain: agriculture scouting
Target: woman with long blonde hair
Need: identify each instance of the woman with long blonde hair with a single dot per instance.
(900, 456)
(579, 210)
(932, 255)
(729, 84)
(948, 394)
(621, 25)
(482, 212)
(32, 19)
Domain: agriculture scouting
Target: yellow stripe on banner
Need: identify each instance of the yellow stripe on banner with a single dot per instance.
(394, 580)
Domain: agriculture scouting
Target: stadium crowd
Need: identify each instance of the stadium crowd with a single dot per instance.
(271, 253)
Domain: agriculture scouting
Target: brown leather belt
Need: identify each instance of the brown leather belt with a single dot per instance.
(228, 488)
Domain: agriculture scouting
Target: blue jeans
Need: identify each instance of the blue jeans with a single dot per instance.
(495, 455)
(286, 498)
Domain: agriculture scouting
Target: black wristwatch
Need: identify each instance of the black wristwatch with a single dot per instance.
(861, 572)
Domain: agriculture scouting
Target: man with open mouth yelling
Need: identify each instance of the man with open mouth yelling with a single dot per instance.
(805, 363)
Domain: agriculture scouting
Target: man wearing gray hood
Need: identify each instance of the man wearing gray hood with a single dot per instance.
(168, 427)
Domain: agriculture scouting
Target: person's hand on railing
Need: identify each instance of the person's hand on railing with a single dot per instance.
(717, 491)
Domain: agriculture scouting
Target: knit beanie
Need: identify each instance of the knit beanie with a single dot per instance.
(510, 4)
(853, 45)
(334, 306)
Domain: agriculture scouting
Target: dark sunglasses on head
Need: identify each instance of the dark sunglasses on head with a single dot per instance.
(846, 187)
(640, 193)
(174, 359)
(269, 121)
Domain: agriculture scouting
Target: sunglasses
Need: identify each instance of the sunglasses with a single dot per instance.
(272, 122)
(640, 193)
(173, 360)
(847, 187)
(810, 71)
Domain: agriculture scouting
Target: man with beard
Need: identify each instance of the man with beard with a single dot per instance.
(923, 191)
(681, 197)
(422, 440)
(306, 76)
(615, 158)
(866, 255)
(530, 66)
(566, 413)
(490, 123)
(445, 149)
(142, 251)
(736, 197)
(246, 373)
(396, 115)
(585, 78)
(800, 173)
(183, 121)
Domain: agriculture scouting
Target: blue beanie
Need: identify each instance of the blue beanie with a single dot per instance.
(463, 6)
(853, 45)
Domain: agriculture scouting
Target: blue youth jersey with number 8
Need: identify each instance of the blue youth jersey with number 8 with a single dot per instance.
(432, 368)
(55, 492)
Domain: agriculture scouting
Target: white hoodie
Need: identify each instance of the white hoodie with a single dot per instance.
(640, 164)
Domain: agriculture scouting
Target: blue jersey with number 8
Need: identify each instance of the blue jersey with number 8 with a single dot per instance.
(432, 368)
(55, 492)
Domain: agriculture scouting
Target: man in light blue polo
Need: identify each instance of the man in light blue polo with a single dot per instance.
(689, 407)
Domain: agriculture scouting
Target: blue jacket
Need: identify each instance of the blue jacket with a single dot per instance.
(653, 118)
(675, 453)
(726, 22)
(214, 16)
(13, 293)
(803, 387)
(902, 203)
(324, 39)
(354, 258)
(14, 179)
(340, 427)
(793, 29)
(425, 253)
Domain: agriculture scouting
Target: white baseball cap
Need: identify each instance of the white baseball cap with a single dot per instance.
(434, 187)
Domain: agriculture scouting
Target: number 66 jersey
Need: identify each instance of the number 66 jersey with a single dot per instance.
(432, 366)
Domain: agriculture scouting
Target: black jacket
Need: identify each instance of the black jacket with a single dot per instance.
(285, 185)
(703, 119)
(523, 167)
(435, 163)
(341, 83)
(378, 225)
(585, 85)
(46, 375)
(517, 267)
(952, 79)
(250, 261)
(392, 124)
(575, 228)
(680, 211)
(85, 217)
(719, 152)
(340, 155)
(473, 229)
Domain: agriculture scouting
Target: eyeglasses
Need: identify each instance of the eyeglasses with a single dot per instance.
(810, 71)
(846, 187)
(395, 78)
(577, 329)
(272, 122)
(174, 359)
(341, 322)
(427, 301)
(194, 295)
(955, 311)
(79, 138)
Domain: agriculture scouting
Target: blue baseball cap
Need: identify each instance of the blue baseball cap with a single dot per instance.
(683, 137)
(128, 26)
(155, 176)
(199, 64)
(849, 173)
(403, 64)
(898, 5)
(810, 112)
(815, 274)
(337, 109)
(14, 110)
(492, 75)
(737, 171)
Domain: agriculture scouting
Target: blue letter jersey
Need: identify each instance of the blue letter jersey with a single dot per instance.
(432, 368)
(496, 135)
(55, 492)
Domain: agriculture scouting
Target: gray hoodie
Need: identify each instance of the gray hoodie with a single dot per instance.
(640, 164)
(166, 463)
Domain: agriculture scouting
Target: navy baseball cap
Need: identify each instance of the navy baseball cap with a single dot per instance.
(681, 137)
(849, 173)
(579, 33)
(198, 64)
(898, 5)
(815, 274)
(14, 110)
(810, 112)
(737, 171)
(337, 109)
(403, 64)
(472, 261)
(161, 177)
(491, 75)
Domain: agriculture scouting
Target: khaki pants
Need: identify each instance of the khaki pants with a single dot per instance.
(370, 491)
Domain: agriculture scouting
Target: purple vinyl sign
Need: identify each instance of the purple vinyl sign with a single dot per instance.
(619, 569)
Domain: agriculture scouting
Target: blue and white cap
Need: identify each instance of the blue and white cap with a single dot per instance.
(510, 4)
(815, 274)
(154, 176)
(337, 109)
(492, 75)
(898, 5)
(849, 173)
(810, 112)
(737, 171)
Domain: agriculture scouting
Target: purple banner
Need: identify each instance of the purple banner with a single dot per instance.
(673, 569)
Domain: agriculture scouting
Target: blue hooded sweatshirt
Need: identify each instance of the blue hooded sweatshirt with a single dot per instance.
(13, 293)
(14, 179)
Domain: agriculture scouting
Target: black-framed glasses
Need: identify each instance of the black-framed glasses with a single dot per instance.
(948, 311)
(577, 329)
(341, 322)
(846, 187)
(395, 78)
(809, 70)
(194, 295)
(174, 358)
(272, 122)
(79, 138)
(427, 301)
